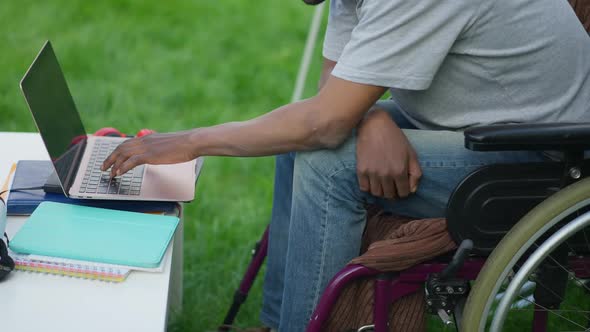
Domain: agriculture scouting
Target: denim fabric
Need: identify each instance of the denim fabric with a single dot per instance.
(278, 235)
(318, 213)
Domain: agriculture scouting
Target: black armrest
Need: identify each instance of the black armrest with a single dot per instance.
(537, 136)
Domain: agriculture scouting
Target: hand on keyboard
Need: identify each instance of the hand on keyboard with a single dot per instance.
(169, 148)
(99, 182)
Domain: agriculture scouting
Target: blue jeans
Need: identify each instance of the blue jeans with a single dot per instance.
(318, 214)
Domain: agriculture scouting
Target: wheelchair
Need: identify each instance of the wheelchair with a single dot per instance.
(523, 256)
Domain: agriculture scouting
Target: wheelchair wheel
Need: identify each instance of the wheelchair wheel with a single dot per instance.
(537, 277)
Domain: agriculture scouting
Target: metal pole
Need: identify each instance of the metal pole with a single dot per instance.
(312, 37)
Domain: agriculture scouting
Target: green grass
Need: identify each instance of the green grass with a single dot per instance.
(171, 65)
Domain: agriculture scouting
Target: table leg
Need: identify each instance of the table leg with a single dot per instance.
(176, 288)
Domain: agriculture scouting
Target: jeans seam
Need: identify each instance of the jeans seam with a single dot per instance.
(323, 225)
(340, 169)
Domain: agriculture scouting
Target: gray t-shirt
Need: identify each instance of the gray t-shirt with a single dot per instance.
(452, 64)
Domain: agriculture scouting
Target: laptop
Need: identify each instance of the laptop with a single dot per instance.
(77, 156)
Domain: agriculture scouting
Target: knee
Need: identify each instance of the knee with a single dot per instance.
(328, 161)
(326, 179)
(323, 169)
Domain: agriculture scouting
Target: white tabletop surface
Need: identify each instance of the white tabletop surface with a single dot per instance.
(41, 302)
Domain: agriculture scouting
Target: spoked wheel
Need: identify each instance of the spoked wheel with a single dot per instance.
(537, 277)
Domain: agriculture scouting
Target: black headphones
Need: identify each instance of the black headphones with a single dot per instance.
(6, 262)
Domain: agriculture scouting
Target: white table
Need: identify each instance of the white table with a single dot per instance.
(41, 302)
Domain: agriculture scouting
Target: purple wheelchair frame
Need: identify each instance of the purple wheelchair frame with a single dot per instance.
(388, 289)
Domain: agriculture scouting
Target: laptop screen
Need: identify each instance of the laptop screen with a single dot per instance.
(55, 114)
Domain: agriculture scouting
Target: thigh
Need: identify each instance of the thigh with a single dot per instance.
(445, 162)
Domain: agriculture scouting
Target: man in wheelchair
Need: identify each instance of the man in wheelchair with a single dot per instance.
(449, 66)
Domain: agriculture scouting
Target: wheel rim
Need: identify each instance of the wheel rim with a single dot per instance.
(533, 261)
(515, 243)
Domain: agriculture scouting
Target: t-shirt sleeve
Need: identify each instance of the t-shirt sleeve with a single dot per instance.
(341, 22)
(401, 44)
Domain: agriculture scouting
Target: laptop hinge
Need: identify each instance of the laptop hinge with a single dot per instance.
(73, 171)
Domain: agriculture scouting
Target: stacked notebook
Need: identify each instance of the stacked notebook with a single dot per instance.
(70, 268)
(75, 268)
(92, 243)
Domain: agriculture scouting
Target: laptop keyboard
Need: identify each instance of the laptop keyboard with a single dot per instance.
(99, 182)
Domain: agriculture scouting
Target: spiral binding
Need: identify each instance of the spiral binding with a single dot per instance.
(81, 271)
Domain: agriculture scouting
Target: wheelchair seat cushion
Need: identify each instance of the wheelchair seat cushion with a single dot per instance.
(532, 136)
(390, 243)
(404, 244)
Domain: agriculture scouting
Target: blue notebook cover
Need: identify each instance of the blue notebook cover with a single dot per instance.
(34, 173)
(97, 235)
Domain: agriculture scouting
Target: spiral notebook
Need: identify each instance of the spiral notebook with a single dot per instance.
(70, 268)
(77, 269)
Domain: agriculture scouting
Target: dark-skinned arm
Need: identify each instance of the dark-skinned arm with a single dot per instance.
(323, 121)
(327, 67)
